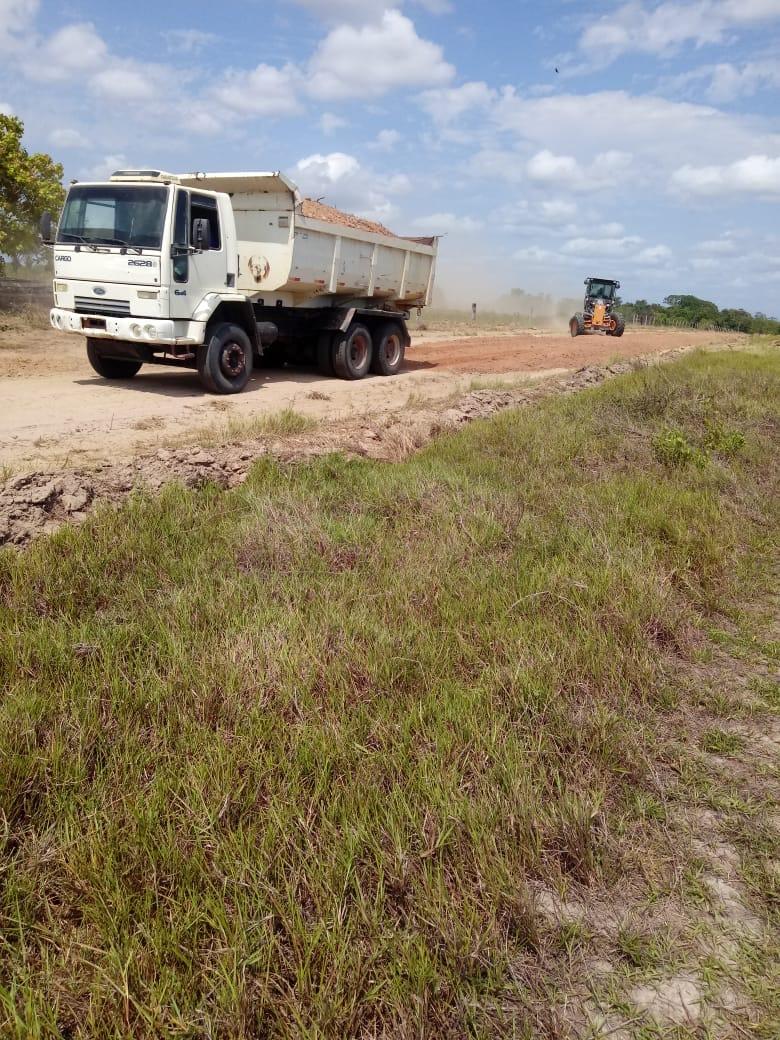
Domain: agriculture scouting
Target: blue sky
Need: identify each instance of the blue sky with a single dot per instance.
(651, 155)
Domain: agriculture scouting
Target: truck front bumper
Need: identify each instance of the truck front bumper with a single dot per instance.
(149, 331)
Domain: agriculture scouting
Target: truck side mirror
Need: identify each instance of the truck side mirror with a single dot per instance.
(45, 228)
(201, 234)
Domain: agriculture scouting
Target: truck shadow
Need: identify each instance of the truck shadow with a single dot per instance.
(184, 382)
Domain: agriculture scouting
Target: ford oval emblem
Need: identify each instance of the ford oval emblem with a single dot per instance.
(98, 290)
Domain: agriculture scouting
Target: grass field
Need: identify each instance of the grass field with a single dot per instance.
(307, 758)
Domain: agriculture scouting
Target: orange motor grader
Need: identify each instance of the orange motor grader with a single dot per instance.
(598, 314)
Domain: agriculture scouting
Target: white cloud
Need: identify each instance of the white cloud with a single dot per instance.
(342, 181)
(64, 137)
(385, 141)
(436, 6)
(725, 82)
(522, 215)
(70, 52)
(369, 60)
(534, 254)
(108, 165)
(265, 91)
(125, 82)
(654, 255)
(613, 229)
(322, 170)
(16, 18)
(665, 27)
(329, 123)
(659, 134)
(728, 82)
(351, 12)
(189, 41)
(446, 104)
(756, 175)
(445, 223)
(722, 246)
(360, 12)
(596, 246)
(6, 109)
(565, 171)
(557, 211)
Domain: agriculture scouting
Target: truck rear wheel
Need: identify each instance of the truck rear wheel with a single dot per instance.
(225, 360)
(108, 367)
(388, 349)
(352, 353)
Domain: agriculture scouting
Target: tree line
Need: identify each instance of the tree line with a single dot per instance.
(697, 313)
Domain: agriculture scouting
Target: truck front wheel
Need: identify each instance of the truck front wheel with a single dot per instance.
(108, 367)
(388, 349)
(352, 353)
(225, 360)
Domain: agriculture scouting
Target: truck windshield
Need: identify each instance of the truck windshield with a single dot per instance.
(601, 290)
(114, 214)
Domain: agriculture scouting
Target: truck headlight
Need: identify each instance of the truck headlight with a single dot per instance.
(150, 331)
(147, 294)
(60, 286)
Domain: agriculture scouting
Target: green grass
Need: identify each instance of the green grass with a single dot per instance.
(284, 423)
(284, 761)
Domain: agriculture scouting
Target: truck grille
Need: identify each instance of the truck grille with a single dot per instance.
(110, 308)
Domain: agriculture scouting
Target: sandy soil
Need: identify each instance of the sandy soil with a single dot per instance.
(57, 412)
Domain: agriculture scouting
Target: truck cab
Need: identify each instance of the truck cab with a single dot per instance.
(136, 258)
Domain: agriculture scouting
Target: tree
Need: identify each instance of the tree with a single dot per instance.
(690, 310)
(736, 320)
(29, 185)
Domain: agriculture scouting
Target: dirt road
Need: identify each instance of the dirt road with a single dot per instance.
(56, 412)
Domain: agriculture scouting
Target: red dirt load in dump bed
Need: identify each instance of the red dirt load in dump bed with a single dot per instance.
(331, 215)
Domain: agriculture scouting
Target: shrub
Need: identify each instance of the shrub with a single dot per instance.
(673, 448)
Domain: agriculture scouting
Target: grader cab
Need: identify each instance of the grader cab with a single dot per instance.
(598, 313)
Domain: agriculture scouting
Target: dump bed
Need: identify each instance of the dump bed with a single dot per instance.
(289, 245)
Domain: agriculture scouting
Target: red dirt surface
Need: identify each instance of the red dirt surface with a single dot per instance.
(531, 351)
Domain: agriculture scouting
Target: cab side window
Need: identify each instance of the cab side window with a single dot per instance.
(205, 208)
(181, 261)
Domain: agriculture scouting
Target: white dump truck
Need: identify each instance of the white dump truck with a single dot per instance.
(212, 271)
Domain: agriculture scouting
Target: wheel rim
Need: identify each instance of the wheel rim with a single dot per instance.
(358, 350)
(393, 350)
(232, 360)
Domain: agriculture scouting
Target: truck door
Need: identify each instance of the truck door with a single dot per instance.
(195, 274)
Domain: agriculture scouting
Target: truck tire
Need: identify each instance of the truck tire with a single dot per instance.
(577, 325)
(325, 347)
(620, 325)
(389, 348)
(225, 359)
(352, 353)
(108, 367)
